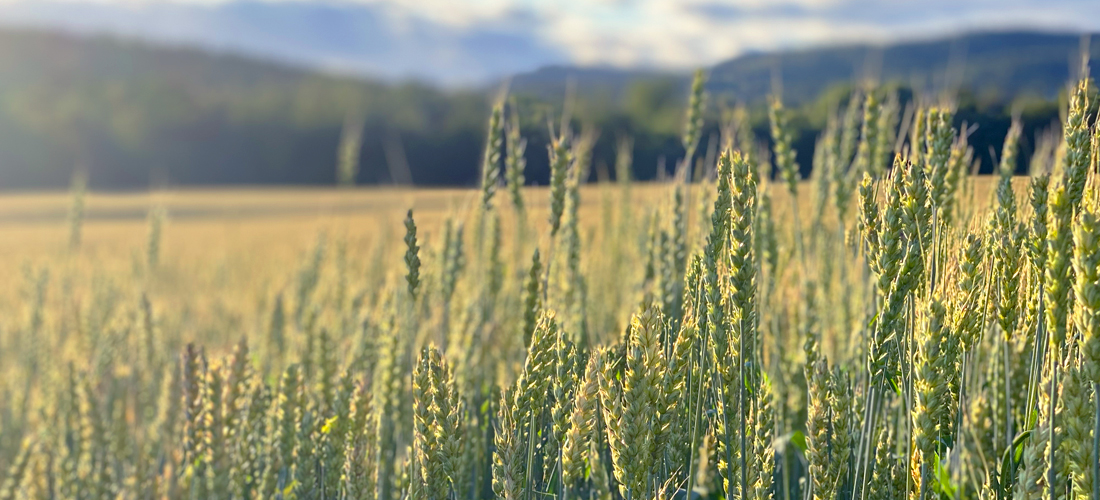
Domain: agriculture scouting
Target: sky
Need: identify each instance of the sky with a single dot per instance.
(468, 42)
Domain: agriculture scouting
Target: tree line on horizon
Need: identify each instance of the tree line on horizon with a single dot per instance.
(130, 116)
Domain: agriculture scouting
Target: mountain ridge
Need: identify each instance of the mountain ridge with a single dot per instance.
(805, 73)
(354, 38)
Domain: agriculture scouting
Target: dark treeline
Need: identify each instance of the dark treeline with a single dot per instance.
(133, 116)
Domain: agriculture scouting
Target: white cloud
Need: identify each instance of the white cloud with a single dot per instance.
(687, 33)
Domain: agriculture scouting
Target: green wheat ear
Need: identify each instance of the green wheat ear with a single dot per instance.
(582, 423)
(1075, 444)
(515, 162)
(1057, 279)
(1086, 267)
(412, 256)
(783, 149)
(1076, 158)
(531, 300)
(818, 410)
(866, 154)
(693, 122)
(508, 473)
(561, 162)
(490, 170)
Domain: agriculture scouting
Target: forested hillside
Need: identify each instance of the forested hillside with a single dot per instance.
(133, 115)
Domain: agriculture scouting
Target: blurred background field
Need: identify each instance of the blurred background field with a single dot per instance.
(226, 253)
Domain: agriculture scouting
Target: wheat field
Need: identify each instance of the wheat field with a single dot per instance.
(891, 327)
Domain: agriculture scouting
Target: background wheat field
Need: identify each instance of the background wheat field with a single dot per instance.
(233, 250)
(226, 253)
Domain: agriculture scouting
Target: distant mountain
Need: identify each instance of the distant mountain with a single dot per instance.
(345, 37)
(1005, 64)
(36, 57)
(998, 66)
(380, 41)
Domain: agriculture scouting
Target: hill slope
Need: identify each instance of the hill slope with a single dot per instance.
(134, 114)
(1000, 65)
(359, 38)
